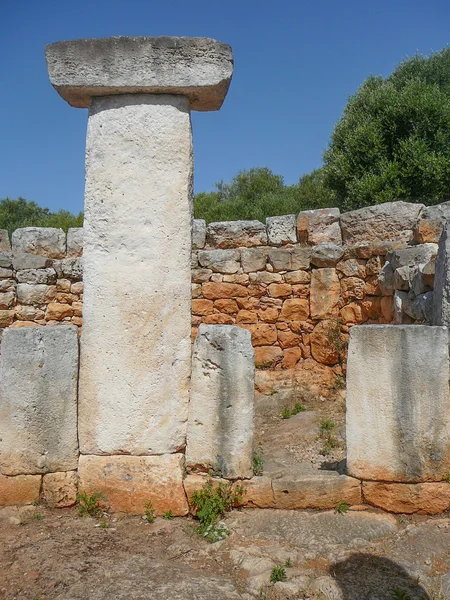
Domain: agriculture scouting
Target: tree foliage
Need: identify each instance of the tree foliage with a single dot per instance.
(393, 141)
(15, 213)
(259, 193)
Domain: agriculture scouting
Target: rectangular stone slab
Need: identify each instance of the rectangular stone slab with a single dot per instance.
(38, 400)
(220, 430)
(136, 346)
(199, 68)
(398, 407)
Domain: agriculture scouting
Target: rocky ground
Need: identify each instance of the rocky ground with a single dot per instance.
(359, 555)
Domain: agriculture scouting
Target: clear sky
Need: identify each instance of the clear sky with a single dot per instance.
(296, 62)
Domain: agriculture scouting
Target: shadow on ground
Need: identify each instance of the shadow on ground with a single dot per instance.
(368, 577)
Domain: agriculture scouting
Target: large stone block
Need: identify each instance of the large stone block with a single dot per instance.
(38, 400)
(136, 343)
(60, 489)
(220, 261)
(324, 294)
(382, 222)
(398, 405)
(198, 233)
(43, 241)
(127, 483)
(23, 489)
(320, 225)
(408, 498)
(281, 230)
(441, 296)
(233, 234)
(220, 430)
(432, 220)
(74, 242)
(197, 68)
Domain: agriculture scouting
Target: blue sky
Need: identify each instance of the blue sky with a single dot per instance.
(296, 62)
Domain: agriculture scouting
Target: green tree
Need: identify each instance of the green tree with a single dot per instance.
(15, 213)
(393, 141)
(259, 193)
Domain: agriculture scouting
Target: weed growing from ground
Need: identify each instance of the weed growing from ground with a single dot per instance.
(104, 525)
(168, 515)
(339, 382)
(278, 574)
(88, 506)
(212, 502)
(342, 507)
(400, 595)
(446, 477)
(38, 516)
(288, 563)
(288, 412)
(258, 461)
(336, 339)
(149, 512)
(326, 428)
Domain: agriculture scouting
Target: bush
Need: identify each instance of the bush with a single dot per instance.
(26, 213)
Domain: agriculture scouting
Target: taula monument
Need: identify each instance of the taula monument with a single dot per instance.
(129, 407)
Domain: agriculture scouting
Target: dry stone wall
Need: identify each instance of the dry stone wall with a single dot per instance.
(298, 283)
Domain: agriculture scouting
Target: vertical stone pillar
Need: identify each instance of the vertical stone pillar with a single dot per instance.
(135, 346)
(441, 294)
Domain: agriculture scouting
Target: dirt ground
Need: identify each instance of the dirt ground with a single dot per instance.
(359, 555)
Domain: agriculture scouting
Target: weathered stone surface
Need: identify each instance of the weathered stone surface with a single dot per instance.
(129, 482)
(57, 311)
(265, 277)
(412, 256)
(5, 245)
(135, 357)
(441, 297)
(398, 403)
(198, 68)
(220, 261)
(23, 489)
(321, 348)
(354, 267)
(198, 233)
(387, 308)
(37, 276)
(43, 241)
(234, 234)
(381, 223)
(290, 259)
(60, 489)
(321, 225)
(24, 260)
(220, 428)
(322, 489)
(38, 408)
(215, 291)
(326, 254)
(352, 288)
(324, 294)
(432, 220)
(6, 317)
(294, 277)
(5, 260)
(253, 259)
(7, 299)
(422, 306)
(70, 268)
(35, 294)
(281, 230)
(354, 313)
(402, 278)
(294, 309)
(267, 356)
(74, 246)
(422, 498)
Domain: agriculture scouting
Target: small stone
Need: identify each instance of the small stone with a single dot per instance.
(201, 275)
(387, 308)
(291, 356)
(294, 309)
(352, 288)
(422, 498)
(254, 259)
(290, 259)
(5, 273)
(263, 334)
(265, 277)
(412, 256)
(60, 489)
(295, 277)
(326, 254)
(386, 280)
(288, 339)
(267, 356)
(70, 268)
(402, 278)
(198, 233)
(202, 307)
(5, 245)
(29, 313)
(246, 316)
(6, 317)
(57, 312)
(5, 260)
(353, 267)
(354, 313)
(218, 319)
(279, 290)
(7, 300)
(281, 230)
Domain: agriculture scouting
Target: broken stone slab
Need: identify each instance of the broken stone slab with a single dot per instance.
(220, 426)
(198, 233)
(24, 260)
(74, 246)
(281, 230)
(43, 241)
(19, 490)
(398, 405)
(431, 222)
(326, 254)
(37, 276)
(234, 234)
(220, 261)
(38, 408)
(412, 256)
(197, 68)
(128, 483)
(403, 277)
(382, 222)
(408, 498)
(320, 225)
(441, 297)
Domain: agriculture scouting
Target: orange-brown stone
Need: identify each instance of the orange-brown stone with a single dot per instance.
(267, 356)
(291, 356)
(422, 498)
(324, 294)
(321, 347)
(268, 314)
(288, 339)
(57, 312)
(354, 313)
(280, 290)
(263, 334)
(372, 305)
(60, 489)
(387, 308)
(227, 306)
(202, 307)
(21, 489)
(217, 291)
(246, 316)
(218, 319)
(300, 291)
(247, 303)
(352, 288)
(294, 309)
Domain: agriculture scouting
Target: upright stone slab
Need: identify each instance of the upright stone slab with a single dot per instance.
(135, 349)
(38, 400)
(441, 296)
(220, 430)
(398, 406)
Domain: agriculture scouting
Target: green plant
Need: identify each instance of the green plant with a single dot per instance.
(258, 461)
(286, 412)
(168, 515)
(342, 507)
(104, 525)
(278, 574)
(339, 382)
(288, 563)
(400, 595)
(88, 506)
(38, 516)
(212, 502)
(336, 338)
(446, 477)
(326, 425)
(298, 408)
(149, 512)
(326, 428)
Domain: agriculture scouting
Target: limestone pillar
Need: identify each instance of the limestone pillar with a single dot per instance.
(398, 405)
(135, 345)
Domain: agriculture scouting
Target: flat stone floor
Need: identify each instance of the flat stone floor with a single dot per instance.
(359, 555)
